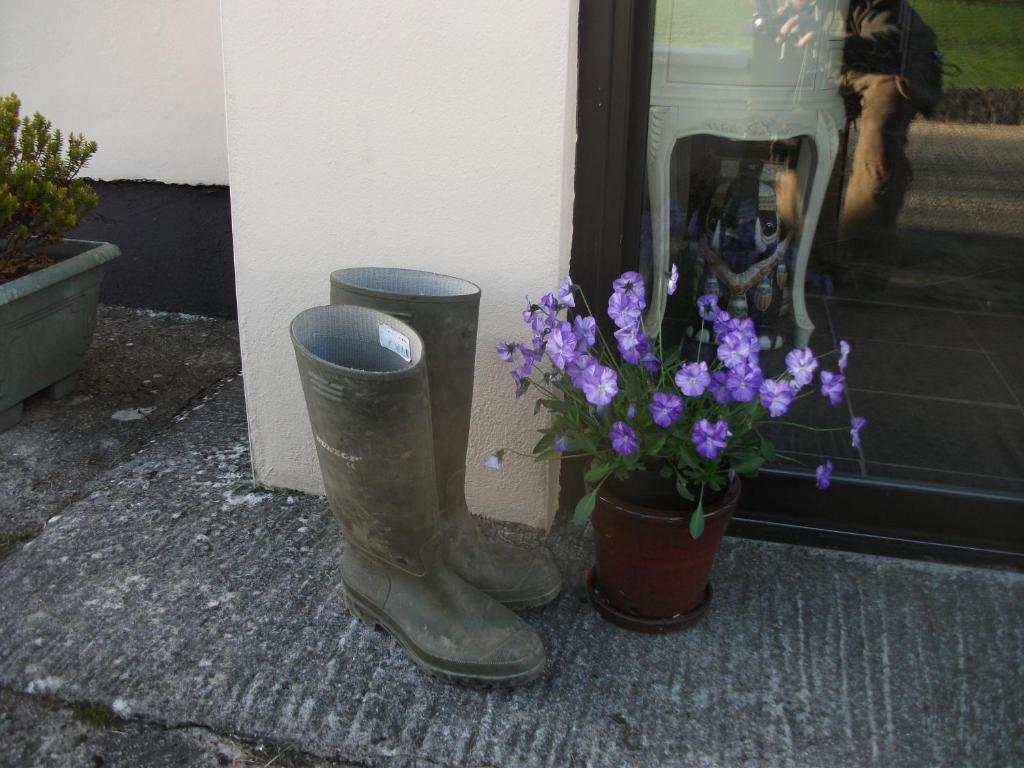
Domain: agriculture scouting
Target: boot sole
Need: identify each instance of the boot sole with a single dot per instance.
(372, 618)
(529, 601)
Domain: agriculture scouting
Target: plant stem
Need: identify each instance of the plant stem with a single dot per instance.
(810, 429)
(787, 458)
(533, 456)
(600, 335)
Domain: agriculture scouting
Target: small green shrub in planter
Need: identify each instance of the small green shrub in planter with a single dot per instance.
(49, 286)
(40, 198)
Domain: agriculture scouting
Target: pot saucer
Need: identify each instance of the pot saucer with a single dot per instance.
(639, 624)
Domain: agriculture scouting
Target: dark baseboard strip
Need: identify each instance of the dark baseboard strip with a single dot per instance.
(176, 247)
(876, 544)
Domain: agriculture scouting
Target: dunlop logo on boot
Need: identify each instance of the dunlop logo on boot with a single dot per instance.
(347, 458)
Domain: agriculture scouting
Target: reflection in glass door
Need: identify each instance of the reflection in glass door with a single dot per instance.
(826, 172)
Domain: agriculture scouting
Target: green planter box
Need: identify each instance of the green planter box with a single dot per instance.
(46, 324)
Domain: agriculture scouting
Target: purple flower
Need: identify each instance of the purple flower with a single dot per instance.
(744, 382)
(673, 280)
(693, 378)
(776, 397)
(493, 462)
(536, 352)
(650, 362)
(530, 311)
(856, 424)
(823, 474)
(741, 325)
(599, 384)
(585, 329)
(719, 387)
(529, 356)
(536, 317)
(665, 408)
(565, 292)
(707, 306)
(577, 366)
(623, 438)
(832, 385)
(507, 351)
(546, 317)
(710, 438)
(801, 366)
(522, 383)
(844, 354)
(632, 343)
(524, 370)
(623, 310)
(735, 349)
(631, 284)
(561, 345)
(562, 443)
(719, 321)
(631, 411)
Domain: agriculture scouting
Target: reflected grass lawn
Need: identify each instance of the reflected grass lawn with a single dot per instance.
(983, 39)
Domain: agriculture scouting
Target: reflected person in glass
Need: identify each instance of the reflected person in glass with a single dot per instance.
(891, 71)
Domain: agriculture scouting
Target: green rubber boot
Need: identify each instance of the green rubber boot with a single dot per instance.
(364, 377)
(445, 311)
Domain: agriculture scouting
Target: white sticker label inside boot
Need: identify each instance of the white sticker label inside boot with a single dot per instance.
(393, 340)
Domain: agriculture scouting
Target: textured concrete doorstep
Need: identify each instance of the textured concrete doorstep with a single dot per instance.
(142, 370)
(175, 594)
(36, 731)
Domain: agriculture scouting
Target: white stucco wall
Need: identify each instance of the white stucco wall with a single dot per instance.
(437, 136)
(144, 78)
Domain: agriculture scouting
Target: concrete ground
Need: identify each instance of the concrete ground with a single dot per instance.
(169, 613)
(144, 370)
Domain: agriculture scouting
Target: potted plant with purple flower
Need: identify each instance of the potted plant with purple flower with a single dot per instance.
(667, 438)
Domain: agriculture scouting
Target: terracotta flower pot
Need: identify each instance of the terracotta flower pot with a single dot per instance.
(650, 575)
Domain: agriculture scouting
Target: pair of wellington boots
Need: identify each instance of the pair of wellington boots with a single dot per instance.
(387, 373)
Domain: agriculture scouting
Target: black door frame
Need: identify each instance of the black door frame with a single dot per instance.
(611, 139)
(615, 39)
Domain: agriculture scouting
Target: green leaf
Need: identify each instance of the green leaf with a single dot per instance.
(746, 463)
(682, 489)
(688, 456)
(657, 444)
(665, 472)
(697, 520)
(597, 472)
(672, 355)
(545, 442)
(559, 406)
(767, 449)
(584, 508)
(585, 442)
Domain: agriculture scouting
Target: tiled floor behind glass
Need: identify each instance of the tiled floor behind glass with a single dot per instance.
(938, 361)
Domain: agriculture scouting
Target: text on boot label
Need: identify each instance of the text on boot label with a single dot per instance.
(346, 457)
(395, 341)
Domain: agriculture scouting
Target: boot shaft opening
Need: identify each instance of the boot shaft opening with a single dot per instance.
(402, 283)
(357, 339)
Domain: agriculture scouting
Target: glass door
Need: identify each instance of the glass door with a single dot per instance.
(848, 173)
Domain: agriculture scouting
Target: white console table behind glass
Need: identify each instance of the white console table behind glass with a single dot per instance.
(752, 93)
